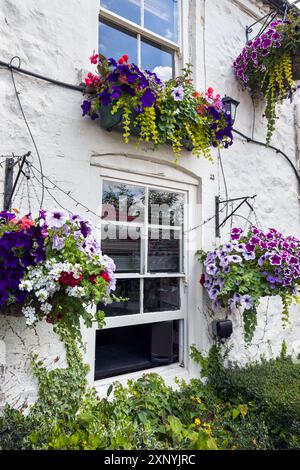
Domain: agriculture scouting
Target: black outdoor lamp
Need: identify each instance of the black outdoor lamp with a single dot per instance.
(230, 106)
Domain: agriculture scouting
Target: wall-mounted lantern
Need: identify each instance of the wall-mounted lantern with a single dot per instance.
(230, 106)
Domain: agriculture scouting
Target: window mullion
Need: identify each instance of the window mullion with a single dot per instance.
(142, 284)
(139, 50)
(146, 230)
(143, 13)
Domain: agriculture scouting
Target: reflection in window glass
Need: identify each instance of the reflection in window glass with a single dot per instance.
(165, 208)
(164, 251)
(115, 42)
(158, 60)
(161, 295)
(161, 17)
(129, 9)
(123, 245)
(126, 288)
(122, 202)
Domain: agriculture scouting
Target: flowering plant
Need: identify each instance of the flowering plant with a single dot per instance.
(54, 268)
(160, 112)
(249, 267)
(264, 67)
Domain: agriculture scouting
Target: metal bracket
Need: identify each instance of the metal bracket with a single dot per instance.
(218, 202)
(9, 186)
(267, 20)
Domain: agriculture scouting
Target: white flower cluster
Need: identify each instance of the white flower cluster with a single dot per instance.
(42, 280)
(29, 313)
(76, 291)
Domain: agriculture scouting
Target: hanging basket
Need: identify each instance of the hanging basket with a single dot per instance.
(110, 122)
(296, 66)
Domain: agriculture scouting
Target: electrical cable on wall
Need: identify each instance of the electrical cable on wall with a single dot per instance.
(277, 150)
(26, 122)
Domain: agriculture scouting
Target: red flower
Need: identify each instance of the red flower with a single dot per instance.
(104, 276)
(92, 278)
(125, 57)
(210, 91)
(121, 61)
(202, 280)
(68, 279)
(94, 58)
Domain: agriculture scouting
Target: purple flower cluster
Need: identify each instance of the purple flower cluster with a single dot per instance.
(221, 126)
(249, 267)
(253, 56)
(19, 249)
(124, 79)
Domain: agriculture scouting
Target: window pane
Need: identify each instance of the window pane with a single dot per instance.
(157, 60)
(161, 17)
(132, 348)
(129, 289)
(122, 202)
(164, 251)
(115, 42)
(161, 295)
(129, 9)
(123, 244)
(165, 208)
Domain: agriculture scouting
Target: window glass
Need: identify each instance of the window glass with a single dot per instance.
(129, 289)
(161, 17)
(156, 59)
(114, 42)
(164, 251)
(129, 9)
(123, 245)
(165, 208)
(122, 202)
(161, 295)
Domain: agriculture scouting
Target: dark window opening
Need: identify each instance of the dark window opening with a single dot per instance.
(133, 348)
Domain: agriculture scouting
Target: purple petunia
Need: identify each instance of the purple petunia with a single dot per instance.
(148, 98)
(246, 302)
(178, 93)
(86, 107)
(56, 219)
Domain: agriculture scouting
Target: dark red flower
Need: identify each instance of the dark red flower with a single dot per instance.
(121, 61)
(68, 279)
(202, 280)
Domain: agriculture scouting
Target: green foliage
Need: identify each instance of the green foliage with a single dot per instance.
(256, 407)
(272, 388)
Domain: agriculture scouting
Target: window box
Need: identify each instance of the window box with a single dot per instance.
(109, 122)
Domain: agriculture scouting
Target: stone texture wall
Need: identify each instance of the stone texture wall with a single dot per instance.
(55, 39)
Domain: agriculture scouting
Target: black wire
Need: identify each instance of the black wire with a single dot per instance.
(28, 127)
(66, 193)
(41, 77)
(263, 144)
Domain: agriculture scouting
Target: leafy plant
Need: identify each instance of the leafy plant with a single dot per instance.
(54, 268)
(171, 112)
(258, 264)
(264, 67)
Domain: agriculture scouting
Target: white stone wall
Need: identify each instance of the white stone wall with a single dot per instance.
(55, 39)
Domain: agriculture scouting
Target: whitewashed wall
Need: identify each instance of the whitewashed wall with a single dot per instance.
(55, 39)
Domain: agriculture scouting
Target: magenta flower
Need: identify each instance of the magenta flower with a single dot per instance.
(275, 260)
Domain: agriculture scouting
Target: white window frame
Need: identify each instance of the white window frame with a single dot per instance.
(142, 32)
(186, 326)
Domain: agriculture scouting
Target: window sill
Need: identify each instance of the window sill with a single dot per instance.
(168, 373)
